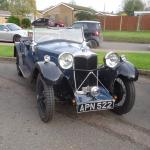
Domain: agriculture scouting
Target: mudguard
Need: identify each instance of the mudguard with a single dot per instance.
(127, 70)
(49, 71)
(16, 48)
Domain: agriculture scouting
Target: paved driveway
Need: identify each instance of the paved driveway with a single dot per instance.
(125, 46)
(22, 129)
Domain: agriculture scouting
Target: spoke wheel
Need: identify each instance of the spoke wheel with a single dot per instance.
(45, 100)
(124, 91)
(93, 44)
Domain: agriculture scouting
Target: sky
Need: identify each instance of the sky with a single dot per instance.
(98, 5)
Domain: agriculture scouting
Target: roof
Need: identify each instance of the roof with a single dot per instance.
(46, 9)
(137, 13)
(100, 13)
(81, 8)
(87, 21)
(5, 13)
(72, 7)
(147, 9)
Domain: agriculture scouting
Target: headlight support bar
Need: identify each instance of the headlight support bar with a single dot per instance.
(90, 73)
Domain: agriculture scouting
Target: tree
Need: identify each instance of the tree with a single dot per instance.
(4, 5)
(132, 5)
(22, 7)
(85, 16)
(73, 2)
(13, 19)
(26, 23)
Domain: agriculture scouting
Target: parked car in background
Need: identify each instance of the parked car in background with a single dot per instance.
(11, 32)
(92, 32)
(64, 68)
(45, 22)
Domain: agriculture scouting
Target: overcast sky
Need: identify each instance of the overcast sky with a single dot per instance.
(99, 5)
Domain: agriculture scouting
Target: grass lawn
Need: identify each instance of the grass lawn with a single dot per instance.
(140, 60)
(134, 37)
(6, 51)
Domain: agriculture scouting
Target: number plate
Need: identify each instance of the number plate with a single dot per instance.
(95, 106)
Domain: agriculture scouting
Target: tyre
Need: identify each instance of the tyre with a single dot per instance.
(45, 99)
(16, 38)
(17, 65)
(124, 91)
(93, 44)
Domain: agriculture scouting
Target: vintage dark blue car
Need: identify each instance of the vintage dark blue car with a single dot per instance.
(61, 65)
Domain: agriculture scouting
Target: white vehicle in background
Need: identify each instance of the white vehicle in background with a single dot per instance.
(11, 32)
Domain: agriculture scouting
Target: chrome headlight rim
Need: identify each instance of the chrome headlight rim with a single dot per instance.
(95, 91)
(47, 58)
(60, 60)
(111, 59)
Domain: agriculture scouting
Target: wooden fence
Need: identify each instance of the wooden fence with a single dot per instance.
(125, 23)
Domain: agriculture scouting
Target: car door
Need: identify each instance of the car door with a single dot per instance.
(5, 35)
(28, 57)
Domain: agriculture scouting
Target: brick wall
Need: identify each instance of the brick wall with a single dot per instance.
(61, 13)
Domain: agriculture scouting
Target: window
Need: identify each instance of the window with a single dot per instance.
(93, 26)
(13, 27)
(39, 20)
(76, 25)
(3, 28)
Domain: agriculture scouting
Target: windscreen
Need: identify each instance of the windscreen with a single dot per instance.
(48, 34)
(92, 26)
(13, 27)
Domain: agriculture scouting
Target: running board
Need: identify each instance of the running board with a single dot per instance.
(25, 71)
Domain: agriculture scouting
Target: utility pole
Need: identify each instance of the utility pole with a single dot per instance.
(104, 16)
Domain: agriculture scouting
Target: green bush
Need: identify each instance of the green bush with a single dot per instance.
(26, 23)
(13, 19)
(85, 16)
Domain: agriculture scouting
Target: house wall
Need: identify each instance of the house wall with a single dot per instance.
(3, 20)
(61, 13)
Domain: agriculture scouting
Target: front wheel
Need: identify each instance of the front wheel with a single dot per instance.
(124, 91)
(16, 38)
(45, 99)
(92, 44)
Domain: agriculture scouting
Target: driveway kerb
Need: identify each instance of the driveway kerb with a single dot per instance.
(13, 59)
(144, 72)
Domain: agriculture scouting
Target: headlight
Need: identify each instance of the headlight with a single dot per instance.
(47, 58)
(111, 59)
(65, 60)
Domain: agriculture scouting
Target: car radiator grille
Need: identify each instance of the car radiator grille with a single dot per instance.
(85, 63)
